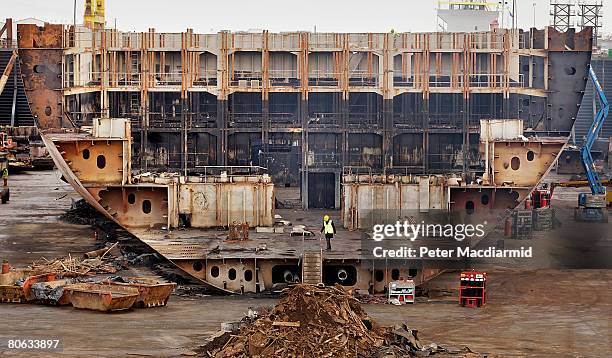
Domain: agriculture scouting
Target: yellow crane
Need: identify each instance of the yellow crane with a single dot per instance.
(93, 17)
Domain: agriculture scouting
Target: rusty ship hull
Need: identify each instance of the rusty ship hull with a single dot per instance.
(166, 134)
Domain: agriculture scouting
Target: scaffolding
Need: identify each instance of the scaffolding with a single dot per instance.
(561, 14)
(590, 14)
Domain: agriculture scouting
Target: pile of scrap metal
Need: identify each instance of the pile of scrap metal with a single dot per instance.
(102, 261)
(24, 147)
(69, 282)
(312, 321)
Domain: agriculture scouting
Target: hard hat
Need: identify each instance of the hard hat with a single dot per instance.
(325, 218)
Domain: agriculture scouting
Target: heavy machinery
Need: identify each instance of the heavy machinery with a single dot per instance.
(592, 207)
(583, 183)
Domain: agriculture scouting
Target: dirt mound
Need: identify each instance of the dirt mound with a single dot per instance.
(308, 322)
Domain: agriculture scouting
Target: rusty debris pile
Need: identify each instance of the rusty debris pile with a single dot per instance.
(312, 321)
(308, 322)
(93, 262)
(82, 213)
(83, 283)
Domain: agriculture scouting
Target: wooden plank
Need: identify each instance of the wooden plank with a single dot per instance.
(286, 324)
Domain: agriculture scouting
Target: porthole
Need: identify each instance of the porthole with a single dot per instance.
(515, 163)
(379, 275)
(146, 206)
(214, 271)
(131, 198)
(48, 111)
(530, 155)
(469, 207)
(248, 275)
(101, 162)
(197, 266)
(395, 274)
(484, 199)
(86, 154)
(231, 274)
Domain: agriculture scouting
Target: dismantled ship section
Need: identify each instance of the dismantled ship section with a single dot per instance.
(161, 131)
(19, 136)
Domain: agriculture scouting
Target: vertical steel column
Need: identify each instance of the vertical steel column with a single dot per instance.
(222, 99)
(265, 102)
(466, 112)
(425, 88)
(303, 74)
(342, 42)
(387, 95)
(185, 71)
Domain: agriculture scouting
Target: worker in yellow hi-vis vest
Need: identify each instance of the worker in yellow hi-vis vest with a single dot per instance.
(328, 229)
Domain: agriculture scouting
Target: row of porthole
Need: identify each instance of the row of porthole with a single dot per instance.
(231, 273)
(379, 275)
(146, 204)
(515, 162)
(100, 159)
(470, 207)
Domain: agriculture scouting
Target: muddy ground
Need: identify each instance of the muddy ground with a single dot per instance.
(530, 313)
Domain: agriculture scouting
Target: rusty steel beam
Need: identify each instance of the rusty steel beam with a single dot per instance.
(8, 28)
(7, 71)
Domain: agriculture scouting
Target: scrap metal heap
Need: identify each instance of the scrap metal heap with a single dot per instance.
(166, 131)
(314, 321)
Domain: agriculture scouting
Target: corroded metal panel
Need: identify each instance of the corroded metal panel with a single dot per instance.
(523, 163)
(95, 161)
(367, 203)
(220, 204)
(569, 55)
(136, 206)
(71, 178)
(41, 51)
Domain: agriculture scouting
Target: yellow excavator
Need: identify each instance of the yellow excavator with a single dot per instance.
(94, 17)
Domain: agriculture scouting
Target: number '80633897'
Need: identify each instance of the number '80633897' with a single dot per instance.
(33, 344)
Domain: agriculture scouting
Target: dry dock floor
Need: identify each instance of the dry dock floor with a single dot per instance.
(530, 313)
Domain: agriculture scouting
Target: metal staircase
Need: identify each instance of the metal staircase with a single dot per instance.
(13, 98)
(312, 267)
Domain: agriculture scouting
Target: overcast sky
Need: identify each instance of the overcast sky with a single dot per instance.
(273, 15)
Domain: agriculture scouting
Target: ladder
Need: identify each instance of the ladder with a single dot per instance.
(312, 267)
(135, 68)
(134, 103)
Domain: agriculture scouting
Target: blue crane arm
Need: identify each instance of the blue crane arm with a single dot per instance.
(592, 135)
